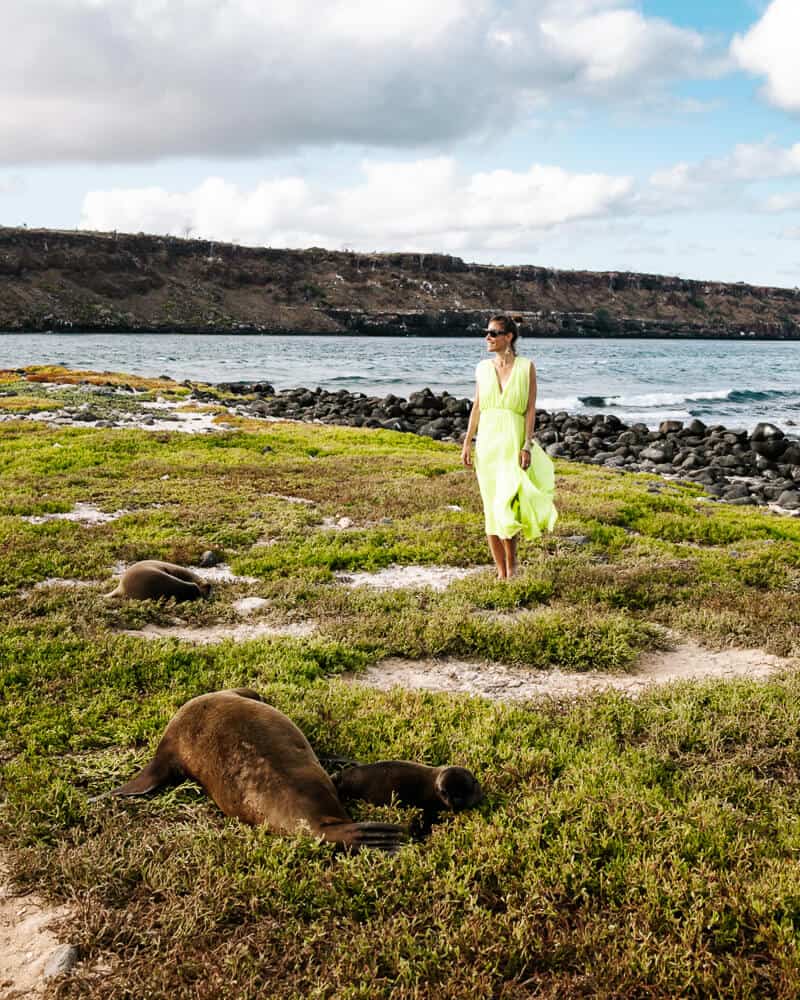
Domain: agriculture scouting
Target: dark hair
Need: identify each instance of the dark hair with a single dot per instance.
(507, 325)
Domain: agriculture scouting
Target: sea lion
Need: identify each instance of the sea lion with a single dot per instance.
(151, 579)
(255, 764)
(432, 789)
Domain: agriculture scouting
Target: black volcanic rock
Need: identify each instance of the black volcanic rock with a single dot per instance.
(768, 440)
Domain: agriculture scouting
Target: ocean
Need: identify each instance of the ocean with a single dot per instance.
(736, 383)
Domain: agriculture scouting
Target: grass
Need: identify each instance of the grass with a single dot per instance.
(626, 848)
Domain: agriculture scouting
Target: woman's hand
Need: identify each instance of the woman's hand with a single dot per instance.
(466, 454)
(525, 459)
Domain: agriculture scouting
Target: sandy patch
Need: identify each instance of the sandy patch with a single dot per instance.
(247, 605)
(221, 574)
(26, 943)
(497, 682)
(58, 581)
(209, 634)
(83, 513)
(396, 577)
(291, 499)
(336, 523)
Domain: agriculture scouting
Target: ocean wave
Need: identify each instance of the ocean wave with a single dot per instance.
(710, 397)
(755, 395)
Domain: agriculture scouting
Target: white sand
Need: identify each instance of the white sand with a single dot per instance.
(688, 661)
(207, 634)
(395, 577)
(83, 513)
(26, 942)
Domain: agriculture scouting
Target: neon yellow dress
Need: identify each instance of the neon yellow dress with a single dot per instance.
(514, 499)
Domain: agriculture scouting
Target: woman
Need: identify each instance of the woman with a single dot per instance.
(515, 476)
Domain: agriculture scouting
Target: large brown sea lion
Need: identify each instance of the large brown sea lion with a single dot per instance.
(255, 764)
(151, 579)
(432, 789)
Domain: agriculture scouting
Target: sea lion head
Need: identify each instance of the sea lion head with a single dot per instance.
(458, 788)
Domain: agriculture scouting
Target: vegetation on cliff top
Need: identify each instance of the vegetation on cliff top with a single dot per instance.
(626, 848)
(109, 281)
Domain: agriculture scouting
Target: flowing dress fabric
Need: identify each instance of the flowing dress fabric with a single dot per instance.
(514, 499)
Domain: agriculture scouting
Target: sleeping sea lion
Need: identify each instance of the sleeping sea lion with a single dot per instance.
(432, 789)
(255, 764)
(151, 579)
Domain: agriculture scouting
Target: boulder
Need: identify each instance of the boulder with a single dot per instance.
(768, 440)
(790, 499)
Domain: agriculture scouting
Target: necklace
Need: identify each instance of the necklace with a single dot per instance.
(505, 363)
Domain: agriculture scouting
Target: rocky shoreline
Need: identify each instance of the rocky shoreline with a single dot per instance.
(759, 467)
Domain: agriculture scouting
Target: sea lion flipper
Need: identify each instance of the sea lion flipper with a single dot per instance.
(334, 764)
(386, 837)
(159, 772)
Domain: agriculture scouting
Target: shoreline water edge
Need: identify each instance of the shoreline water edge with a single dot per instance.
(759, 467)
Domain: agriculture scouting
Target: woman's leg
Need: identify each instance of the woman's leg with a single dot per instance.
(510, 555)
(498, 551)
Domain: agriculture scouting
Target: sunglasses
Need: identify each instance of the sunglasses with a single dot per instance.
(494, 334)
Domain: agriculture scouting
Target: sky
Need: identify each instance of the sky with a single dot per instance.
(616, 135)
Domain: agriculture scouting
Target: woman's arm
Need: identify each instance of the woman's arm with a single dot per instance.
(472, 429)
(530, 421)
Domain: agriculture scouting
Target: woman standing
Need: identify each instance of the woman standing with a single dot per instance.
(515, 476)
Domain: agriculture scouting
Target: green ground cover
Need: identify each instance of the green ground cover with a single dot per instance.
(642, 848)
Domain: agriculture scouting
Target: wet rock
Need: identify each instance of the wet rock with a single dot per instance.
(791, 454)
(768, 440)
(246, 388)
(736, 492)
(790, 499)
(210, 558)
(653, 454)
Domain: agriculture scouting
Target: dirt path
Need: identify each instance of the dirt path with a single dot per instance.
(27, 946)
(687, 661)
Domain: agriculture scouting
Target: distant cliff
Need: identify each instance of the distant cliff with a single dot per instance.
(57, 280)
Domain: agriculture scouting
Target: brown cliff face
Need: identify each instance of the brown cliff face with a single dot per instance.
(55, 280)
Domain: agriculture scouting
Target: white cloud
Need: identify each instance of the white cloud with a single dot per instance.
(782, 202)
(127, 80)
(711, 181)
(12, 184)
(770, 49)
(611, 47)
(425, 205)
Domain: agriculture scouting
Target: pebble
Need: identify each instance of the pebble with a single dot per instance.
(62, 960)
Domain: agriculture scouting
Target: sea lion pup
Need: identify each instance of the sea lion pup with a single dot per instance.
(151, 579)
(432, 789)
(255, 764)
